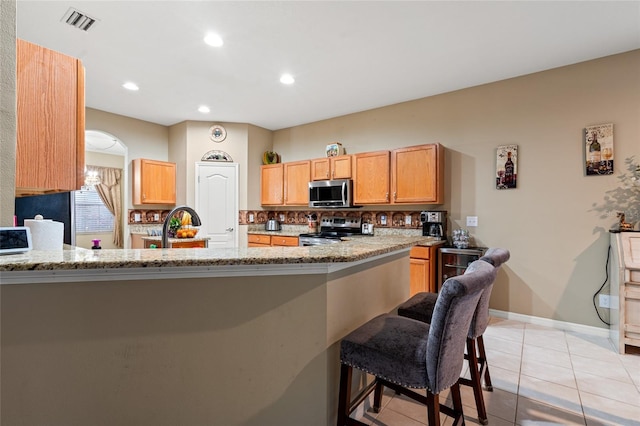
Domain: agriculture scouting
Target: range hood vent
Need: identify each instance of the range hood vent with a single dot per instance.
(77, 19)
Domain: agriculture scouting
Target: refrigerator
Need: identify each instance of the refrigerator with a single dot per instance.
(58, 207)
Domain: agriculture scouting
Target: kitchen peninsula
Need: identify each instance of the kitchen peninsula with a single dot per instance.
(189, 336)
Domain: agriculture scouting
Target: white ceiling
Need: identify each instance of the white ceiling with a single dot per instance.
(346, 56)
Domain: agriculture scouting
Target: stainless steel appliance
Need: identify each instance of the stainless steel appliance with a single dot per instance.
(272, 225)
(434, 224)
(454, 261)
(332, 228)
(331, 193)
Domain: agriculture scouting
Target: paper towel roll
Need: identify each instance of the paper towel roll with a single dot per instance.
(46, 234)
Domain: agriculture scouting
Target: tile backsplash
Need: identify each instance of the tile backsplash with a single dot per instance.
(381, 219)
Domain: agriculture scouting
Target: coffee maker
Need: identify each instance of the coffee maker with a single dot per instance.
(434, 224)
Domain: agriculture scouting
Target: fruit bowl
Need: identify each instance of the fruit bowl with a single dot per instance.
(186, 232)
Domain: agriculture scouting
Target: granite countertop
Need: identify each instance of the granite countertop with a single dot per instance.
(352, 249)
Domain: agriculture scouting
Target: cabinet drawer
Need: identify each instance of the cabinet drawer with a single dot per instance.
(259, 239)
(284, 241)
(419, 252)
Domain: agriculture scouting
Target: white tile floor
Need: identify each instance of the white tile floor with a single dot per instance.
(541, 376)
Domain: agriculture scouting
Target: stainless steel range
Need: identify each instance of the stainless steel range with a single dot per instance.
(332, 228)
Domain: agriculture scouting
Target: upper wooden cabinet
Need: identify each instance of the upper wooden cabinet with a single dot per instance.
(417, 174)
(371, 177)
(50, 121)
(154, 182)
(296, 183)
(338, 167)
(286, 184)
(272, 185)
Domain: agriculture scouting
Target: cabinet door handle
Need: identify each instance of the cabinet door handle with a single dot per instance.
(395, 196)
(144, 196)
(386, 196)
(229, 229)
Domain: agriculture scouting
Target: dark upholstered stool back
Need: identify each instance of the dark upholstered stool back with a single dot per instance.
(496, 257)
(452, 315)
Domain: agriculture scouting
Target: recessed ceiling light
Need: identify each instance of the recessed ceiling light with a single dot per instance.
(130, 86)
(213, 40)
(287, 79)
(204, 109)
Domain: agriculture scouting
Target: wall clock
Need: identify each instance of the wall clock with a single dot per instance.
(217, 133)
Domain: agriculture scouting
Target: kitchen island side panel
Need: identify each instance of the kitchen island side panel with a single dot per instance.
(198, 351)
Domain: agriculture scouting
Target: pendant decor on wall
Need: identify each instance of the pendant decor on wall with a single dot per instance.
(598, 143)
(216, 155)
(506, 166)
(217, 133)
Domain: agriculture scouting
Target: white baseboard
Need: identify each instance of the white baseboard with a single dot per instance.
(560, 325)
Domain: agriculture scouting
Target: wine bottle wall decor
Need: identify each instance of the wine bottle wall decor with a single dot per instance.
(598, 142)
(507, 167)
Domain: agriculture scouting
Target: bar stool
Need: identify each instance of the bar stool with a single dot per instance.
(421, 307)
(405, 354)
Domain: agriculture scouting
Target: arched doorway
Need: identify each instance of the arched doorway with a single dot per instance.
(103, 149)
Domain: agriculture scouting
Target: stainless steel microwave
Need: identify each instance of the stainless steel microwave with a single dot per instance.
(331, 193)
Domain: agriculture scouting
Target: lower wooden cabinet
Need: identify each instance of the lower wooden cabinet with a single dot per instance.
(284, 241)
(261, 240)
(178, 244)
(422, 269)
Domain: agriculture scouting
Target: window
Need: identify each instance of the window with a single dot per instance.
(91, 214)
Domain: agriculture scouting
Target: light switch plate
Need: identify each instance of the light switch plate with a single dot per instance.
(383, 220)
(250, 217)
(407, 220)
(472, 220)
(156, 217)
(136, 217)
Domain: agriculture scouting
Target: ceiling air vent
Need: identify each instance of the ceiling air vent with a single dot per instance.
(77, 19)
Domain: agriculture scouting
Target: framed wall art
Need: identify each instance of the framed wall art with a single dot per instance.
(598, 142)
(507, 166)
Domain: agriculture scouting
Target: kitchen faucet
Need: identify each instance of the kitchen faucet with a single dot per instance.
(195, 221)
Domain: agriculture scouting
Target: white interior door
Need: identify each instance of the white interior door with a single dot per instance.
(217, 203)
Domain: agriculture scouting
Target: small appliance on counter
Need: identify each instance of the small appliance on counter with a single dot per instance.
(272, 225)
(434, 224)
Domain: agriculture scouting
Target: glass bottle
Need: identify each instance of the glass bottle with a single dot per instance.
(508, 171)
(594, 151)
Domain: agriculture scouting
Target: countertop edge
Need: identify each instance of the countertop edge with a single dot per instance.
(184, 272)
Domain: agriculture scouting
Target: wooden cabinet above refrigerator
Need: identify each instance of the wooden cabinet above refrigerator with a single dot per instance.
(50, 121)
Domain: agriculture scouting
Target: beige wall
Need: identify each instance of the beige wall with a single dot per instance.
(7, 111)
(558, 244)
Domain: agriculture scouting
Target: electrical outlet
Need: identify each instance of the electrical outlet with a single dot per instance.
(250, 217)
(605, 301)
(472, 220)
(136, 217)
(156, 216)
(407, 220)
(383, 220)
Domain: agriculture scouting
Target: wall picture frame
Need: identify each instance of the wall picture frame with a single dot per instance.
(507, 167)
(598, 149)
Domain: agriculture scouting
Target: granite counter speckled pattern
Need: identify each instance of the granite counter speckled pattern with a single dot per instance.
(351, 250)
